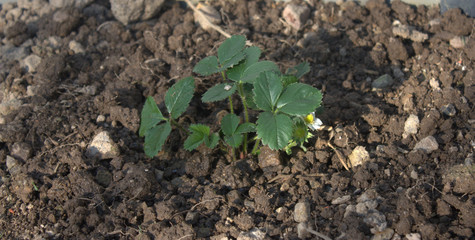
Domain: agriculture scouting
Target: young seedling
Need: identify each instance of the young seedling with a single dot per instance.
(154, 126)
(287, 107)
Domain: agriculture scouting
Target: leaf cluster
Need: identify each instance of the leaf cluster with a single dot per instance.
(280, 98)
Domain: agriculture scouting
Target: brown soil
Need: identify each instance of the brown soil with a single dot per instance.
(60, 193)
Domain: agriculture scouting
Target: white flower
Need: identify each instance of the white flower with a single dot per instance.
(313, 122)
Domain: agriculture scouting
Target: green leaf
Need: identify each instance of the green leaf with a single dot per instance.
(199, 134)
(299, 70)
(219, 92)
(245, 128)
(231, 62)
(178, 97)
(155, 138)
(253, 71)
(207, 66)
(267, 89)
(249, 94)
(150, 116)
(288, 79)
(252, 56)
(234, 140)
(229, 124)
(200, 128)
(212, 140)
(274, 130)
(299, 99)
(230, 47)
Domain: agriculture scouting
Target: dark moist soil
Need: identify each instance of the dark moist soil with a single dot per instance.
(60, 193)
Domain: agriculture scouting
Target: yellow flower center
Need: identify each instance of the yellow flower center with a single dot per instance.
(309, 119)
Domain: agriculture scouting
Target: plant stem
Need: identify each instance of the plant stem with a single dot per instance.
(256, 146)
(231, 109)
(246, 114)
(177, 124)
(233, 153)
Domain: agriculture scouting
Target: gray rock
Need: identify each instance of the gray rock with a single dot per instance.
(427, 144)
(11, 53)
(14, 14)
(268, 158)
(33, 5)
(31, 62)
(127, 11)
(13, 165)
(383, 82)
(411, 125)
(458, 42)
(448, 110)
(254, 234)
(302, 212)
(302, 231)
(342, 199)
(7, 107)
(296, 15)
(386, 234)
(103, 147)
(376, 220)
(413, 236)
(358, 156)
(409, 32)
(69, 3)
(76, 47)
(21, 150)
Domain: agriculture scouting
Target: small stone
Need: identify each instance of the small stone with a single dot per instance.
(434, 84)
(31, 62)
(268, 158)
(302, 212)
(413, 236)
(88, 90)
(191, 217)
(208, 12)
(100, 118)
(340, 200)
(103, 147)
(358, 156)
(409, 32)
(76, 47)
(254, 234)
(428, 144)
(21, 150)
(69, 3)
(387, 234)
(382, 82)
(7, 107)
(296, 15)
(376, 220)
(414, 175)
(448, 110)
(127, 11)
(302, 230)
(458, 42)
(13, 165)
(411, 125)
(14, 14)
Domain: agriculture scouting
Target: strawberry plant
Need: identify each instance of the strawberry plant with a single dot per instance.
(286, 106)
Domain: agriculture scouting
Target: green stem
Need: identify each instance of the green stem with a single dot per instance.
(231, 109)
(233, 154)
(246, 114)
(177, 124)
(256, 146)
